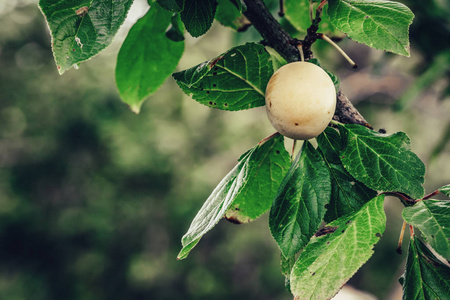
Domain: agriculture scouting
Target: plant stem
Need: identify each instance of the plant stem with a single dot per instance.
(430, 195)
(405, 199)
(293, 148)
(281, 12)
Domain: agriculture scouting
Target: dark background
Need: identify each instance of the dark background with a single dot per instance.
(95, 199)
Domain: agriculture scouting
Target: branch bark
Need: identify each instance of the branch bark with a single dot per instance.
(277, 38)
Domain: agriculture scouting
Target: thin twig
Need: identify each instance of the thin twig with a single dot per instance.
(339, 49)
(281, 12)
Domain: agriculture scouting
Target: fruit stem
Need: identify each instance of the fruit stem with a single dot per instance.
(293, 148)
(300, 49)
(311, 8)
(281, 12)
(327, 39)
(400, 240)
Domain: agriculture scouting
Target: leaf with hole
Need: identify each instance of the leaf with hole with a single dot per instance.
(81, 29)
(382, 162)
(299, 205)
(330, 260)
(235, 80)
(147, 57)
(432, 217)
(380, 24)
(425, 276)
(256, 177)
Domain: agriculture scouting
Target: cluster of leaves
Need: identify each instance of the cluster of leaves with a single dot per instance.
(339, 182)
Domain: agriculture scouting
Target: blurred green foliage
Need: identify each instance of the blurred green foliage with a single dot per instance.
(95, 199)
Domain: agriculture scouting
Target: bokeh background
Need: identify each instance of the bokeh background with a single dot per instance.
(95, 199)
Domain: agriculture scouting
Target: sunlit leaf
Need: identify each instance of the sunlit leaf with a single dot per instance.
(330, 260)
(229, 15)
(432, 217)
(297, 13)
(235, 80)
(299, 206)
(445, 190)
(81, 29)
(239, 185)
(266, 171)
(347, 194)
(147, 57)
(380, 24)
(425, 276)
(382, 162)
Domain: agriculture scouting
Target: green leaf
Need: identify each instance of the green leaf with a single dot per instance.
(299, 206)
(240, 5)
(286, 268)
(235, 80)
(147, 57)
(229, 15)
(81, 29)
(425, 276)
(330, 260)
(432, 217)
(198, 16)
(175, 32)
(171, 5)
(347, 194)
(382, 162)
(297, 13)
(445, 190)
(380, 24)
(266, 169)
(238, 185)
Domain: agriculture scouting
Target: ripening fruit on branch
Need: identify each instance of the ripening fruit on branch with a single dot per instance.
(300, 100)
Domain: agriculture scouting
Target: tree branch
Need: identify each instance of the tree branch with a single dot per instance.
(277, 38)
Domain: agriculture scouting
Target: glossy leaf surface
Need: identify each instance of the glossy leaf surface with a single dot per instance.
(382, 162)
(81, 29)
(347, 194)
(425, 276)
(330, 260)
(235, 80)
(266, 170)
(238, 185)
(432, 217)
(147, 57)
(380, 24)
(299, 206)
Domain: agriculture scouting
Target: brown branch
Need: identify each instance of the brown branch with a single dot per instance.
(277, 38)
